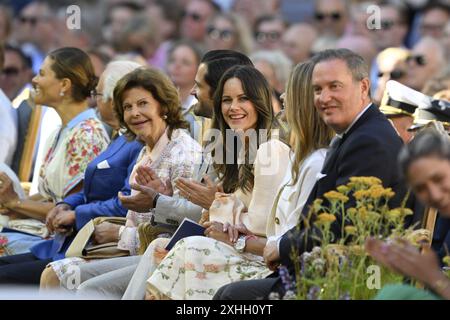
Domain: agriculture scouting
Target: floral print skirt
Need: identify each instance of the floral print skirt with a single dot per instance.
(197, 267)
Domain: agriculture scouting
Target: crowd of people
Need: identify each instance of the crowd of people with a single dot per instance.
(234, 114)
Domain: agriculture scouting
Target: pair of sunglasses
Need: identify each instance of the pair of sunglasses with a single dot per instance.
(267, 36)
(225, 34)
(10, 71)
(394, 75)
(418, 59)
(335, 16)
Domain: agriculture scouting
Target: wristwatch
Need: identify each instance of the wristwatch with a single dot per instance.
(239, 245)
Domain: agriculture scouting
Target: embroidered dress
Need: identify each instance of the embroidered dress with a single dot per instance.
(197, 267)
(170, 159)
(68, 152)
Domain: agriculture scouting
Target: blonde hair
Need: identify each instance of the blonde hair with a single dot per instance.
(308, 131)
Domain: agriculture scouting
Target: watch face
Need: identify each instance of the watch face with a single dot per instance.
(240, 244)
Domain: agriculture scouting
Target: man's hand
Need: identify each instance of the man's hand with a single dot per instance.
(142, 201)
(7, 193)
(64, 221)
(49, 221)
(199, 193)
(146, 176)
(271, 255)
(106, 232)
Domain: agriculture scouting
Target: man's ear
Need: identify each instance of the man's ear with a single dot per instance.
(365, 87)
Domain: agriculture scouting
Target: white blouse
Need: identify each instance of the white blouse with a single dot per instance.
(292, 198)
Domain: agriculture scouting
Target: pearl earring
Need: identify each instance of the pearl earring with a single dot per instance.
(164, 117)
(61, 93)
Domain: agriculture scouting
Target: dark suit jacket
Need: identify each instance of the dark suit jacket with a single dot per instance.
(99, 195)
(369, 148)
(441, 237)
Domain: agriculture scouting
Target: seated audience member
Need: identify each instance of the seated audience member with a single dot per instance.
(148, 106)
(362, 45)
(8, 129)
(268, 32)
(390, 67)
(64, 83)
(129, 273)
(242, 103)
(104, 177)
(228, 31)
(296, 48)
(426, 60)
(331, 17)
(399, 112)
(341, 95)
(275, 67)
(425, 163)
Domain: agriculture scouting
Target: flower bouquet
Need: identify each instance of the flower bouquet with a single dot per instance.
(338, 267)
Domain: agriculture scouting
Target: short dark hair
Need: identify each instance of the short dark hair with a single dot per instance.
(196, 49)
(26, 60)
(428, 142)
(162, 90)
(218, 62)
(436, 4)
(355, 63)
(268, 18)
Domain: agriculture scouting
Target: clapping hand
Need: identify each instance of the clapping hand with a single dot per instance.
(202, 194)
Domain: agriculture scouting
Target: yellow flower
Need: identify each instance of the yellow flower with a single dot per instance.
(446, 260)
(361, 194)
(407, 211)
(351, 211)
(343, 189)
(317, 204)
(326, 218)
(376, 192)
(362, 212)
(350, 230)
(369, 181)
(334, 195)
(393, 214)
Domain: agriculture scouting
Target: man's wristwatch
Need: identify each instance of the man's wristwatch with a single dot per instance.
(239, 245)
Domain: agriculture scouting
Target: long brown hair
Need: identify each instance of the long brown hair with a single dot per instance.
(240, 176)
(308, 131)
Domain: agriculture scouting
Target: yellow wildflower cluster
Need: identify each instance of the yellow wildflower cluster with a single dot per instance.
(326, 218)
(335, 196)
(447, 261)
(343, 189)
(350, 230)
(369, 181)
(374, 192)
